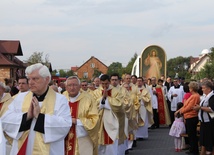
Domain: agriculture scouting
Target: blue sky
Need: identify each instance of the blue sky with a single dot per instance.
(71, 31)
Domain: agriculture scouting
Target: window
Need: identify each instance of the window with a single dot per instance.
(85, 75)
(92, 65)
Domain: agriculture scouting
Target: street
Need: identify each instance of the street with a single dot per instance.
(158, 143)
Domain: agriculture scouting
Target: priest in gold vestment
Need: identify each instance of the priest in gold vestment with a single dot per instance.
(109, 103)
(145, 113)
(133, 91)
(82, 138)
(123, 124)
(5, 98)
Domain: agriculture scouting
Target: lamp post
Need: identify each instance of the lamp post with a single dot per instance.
(179, 69)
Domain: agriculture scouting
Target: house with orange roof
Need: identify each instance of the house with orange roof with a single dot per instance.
(86, 70)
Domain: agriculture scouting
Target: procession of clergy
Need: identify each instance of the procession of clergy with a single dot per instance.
(106, 119)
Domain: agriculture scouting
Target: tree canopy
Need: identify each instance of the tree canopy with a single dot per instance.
(128, 68)
(37, 57)
(179, 65)
(208, 70)
(115, 67)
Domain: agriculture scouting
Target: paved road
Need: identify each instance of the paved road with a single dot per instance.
(158, 143)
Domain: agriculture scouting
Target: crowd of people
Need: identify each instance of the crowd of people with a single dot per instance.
(105, 117)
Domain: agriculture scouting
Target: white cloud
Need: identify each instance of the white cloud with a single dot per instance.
(72, 31)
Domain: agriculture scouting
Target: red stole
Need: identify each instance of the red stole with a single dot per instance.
(1, 105)
(107, 139)
(22, 150)
(70, 139)
(161, 111)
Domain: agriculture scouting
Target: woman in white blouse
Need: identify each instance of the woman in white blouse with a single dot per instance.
(205, 108)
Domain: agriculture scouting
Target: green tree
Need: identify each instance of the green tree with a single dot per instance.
(212, 53)
(208, 70)
(69, 73)
(128, 68)
(63, 73)
(97, 73)
(179, 65)
(115, 67)
(37, 57)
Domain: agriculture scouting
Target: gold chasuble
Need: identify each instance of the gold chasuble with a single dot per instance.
(109, 125)
(163, 110)
(145, 95)
(130, 102)
(4, 102)
(39, 146)
(84, 110)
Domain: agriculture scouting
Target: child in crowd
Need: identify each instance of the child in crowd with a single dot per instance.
(178, 127)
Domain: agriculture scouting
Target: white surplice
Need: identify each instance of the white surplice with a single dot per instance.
(142, 131)
(111, 149)
(180, 94)
(2, 141)
(56, 126)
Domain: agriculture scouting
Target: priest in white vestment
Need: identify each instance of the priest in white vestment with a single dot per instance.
(175, 95)
(39, 120)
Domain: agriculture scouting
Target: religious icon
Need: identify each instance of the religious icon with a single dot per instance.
(154, 64)
(153, 60)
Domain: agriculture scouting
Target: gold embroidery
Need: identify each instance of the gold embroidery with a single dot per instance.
(71, 135)
(71, 110)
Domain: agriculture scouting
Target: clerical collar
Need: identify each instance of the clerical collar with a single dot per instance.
(140, 87)
(73, 99)
(41, 97)
(176, 87)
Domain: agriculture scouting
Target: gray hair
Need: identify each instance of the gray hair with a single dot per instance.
(207, 84)
(72, 77)
(43, 70)
(2, 85)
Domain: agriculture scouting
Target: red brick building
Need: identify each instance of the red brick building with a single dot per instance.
(87, 70)
(10, 65)
(74, 69)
